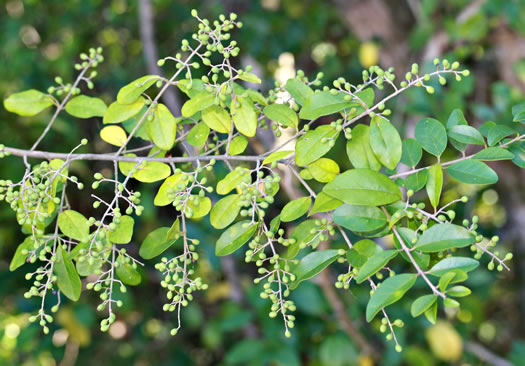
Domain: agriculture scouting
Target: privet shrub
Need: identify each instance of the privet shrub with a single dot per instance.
(387, 192)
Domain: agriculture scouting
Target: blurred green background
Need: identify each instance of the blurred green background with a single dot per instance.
(228, 324)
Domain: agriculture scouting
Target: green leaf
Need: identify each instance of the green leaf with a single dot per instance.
(493, 154)
(472, 172)
(360, 218)
(408, 236)
(128, 274)
(466, 135)
(444, 236)
(445, 280)
(518, 149)
(130, 124)
(314, 144)
(385, 142)
(299, 91)
(19, 259)
(518, 111)
(276, 156)
(361, 251)
(198, 103)
(73, 224)
(174, 231)
(422, 304)
(225, 211)
(233, 180)
(28, 103)
(363, 187)
(147, 172)
(497, 133)
(312, 264)
(448, 264)
(324, 203)
(250, 77)
(417, 180)
(281, 113)
(234, 237)
(237, 145)
(459, 291)
(431, 313)
(117, 112)
(171, 183)
(390, 291)
(217, 118)
(68, 280)
(325, 103)
(83, 106)
(191, 87)
(244, 117)
(155, 243)
(124, 231)
(131, 92)
(359, 150)
(374, 264)
(431, 135)
(434, 184)
(457, 118)
(324, 170)
(257, 97)
(303, 235)
(198, 207)
(411, 152)
(198, 134)
(295, 209)
(163, 128)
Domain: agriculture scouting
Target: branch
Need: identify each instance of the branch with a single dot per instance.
(134, 159)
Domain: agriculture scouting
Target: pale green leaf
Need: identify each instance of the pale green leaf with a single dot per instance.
(131, 92)
(198, 134)
(73, 224)
(434, 184)
(225, 211)
(281, 113)
(28, 103)
(444, 236)
(314, 144)
(68, 281)
(124, 231)
(217, 118)
(117, 112)
(359, 150)
(83, 106)
(244, 117)
(295, 209)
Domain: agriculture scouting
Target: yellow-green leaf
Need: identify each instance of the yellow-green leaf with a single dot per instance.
(114, 135)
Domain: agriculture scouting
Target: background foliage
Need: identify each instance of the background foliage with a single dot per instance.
(39, 39)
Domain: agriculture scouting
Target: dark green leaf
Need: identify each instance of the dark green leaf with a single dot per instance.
(466, 135)
(314, 144)
(155, 243)
(434, 184)
(431, 135)
(494, 153)
(128, 274)
(422, 304)
(472, 172)
(295, 209)
(411, 152)
(385, 142)
(234, 237)
(448, 264)
(359, 150)
(390, 291)
(444, 236)
(363, 187)
(374, 264)
(359, 218)
(313, 263)
(68, 280)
